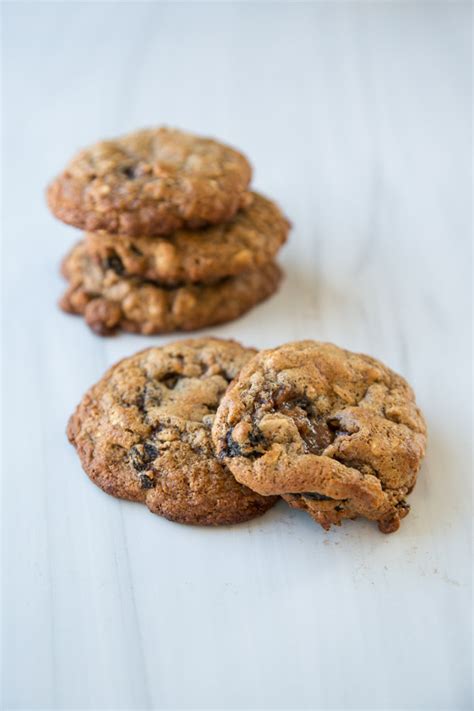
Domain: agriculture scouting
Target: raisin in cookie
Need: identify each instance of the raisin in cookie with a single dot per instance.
(111, 301)
(149, 182)
(250, 240)
(337, 433)
(143, 433)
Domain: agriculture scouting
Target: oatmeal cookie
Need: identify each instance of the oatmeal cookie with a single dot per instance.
(336, 433)
(248, 241)
(110, 302)
(143, 433)
(151, 182)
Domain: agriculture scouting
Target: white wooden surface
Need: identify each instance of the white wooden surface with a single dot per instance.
(356, 117)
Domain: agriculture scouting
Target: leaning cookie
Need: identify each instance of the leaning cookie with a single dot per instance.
(248, 241)
(143, 433)
(110, 302)
(336, 433)
(151, 182)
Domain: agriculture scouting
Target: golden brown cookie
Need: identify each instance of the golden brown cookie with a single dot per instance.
(151, 182)
(110, 301)
(248, 241)
(337, 433)
(143, 433)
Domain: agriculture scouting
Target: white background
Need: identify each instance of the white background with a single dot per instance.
(356, 118)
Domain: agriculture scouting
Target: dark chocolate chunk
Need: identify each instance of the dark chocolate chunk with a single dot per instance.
(171, 380)
(142, 455)
(232, 449)
(147, 481)
(129, 172)
(115, 263)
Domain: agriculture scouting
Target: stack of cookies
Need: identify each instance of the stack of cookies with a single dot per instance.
(206, 431)
(174, 238)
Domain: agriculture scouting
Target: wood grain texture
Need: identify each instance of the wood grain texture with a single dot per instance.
(356, 118)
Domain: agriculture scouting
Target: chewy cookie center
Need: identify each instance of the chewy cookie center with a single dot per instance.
(314, 429)
(282, 416)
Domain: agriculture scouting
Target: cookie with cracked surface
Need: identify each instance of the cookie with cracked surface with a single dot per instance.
(143, 433)
(248, 241)
(336, 433)
(111, 301)
(153, 181)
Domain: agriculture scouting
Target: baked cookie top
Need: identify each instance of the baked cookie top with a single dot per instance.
(110, 302)
(143, 433)
(313, 419)
(150, 182)
(248, 241)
